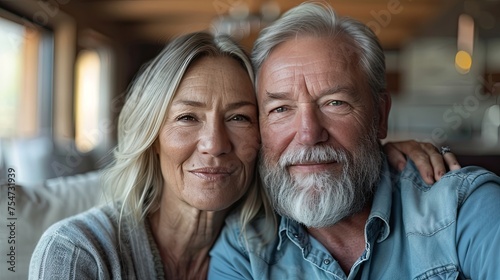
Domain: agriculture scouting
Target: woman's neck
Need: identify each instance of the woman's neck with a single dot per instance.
(184, 238)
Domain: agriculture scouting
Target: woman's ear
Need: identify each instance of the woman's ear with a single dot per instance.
(156, 146)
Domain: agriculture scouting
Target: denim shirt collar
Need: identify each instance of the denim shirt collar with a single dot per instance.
(292, 230)
(382, 204)
(376, 225)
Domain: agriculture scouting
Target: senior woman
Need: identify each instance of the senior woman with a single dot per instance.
(188, 139)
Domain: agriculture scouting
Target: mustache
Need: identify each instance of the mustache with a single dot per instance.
(316, 154)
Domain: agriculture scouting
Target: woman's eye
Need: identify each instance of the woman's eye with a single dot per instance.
(186, 118)
(239, 118)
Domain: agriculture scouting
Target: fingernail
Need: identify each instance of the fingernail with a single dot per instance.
(430, 179)
(401, 166)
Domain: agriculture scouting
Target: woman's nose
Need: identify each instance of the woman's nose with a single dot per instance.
(214, 139)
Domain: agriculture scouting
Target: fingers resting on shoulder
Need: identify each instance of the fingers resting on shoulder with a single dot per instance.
(430, 162)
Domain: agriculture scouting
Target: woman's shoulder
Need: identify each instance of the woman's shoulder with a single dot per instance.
(103, 218)
(88, 243)
(98, 225)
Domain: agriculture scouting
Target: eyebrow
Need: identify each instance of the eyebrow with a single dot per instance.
(240, 104)
(337, 89)
(190, 103)
(198, 104)
(270, 96)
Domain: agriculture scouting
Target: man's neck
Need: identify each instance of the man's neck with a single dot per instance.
(344, 240)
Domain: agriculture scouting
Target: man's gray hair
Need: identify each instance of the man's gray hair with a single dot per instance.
(314, 19)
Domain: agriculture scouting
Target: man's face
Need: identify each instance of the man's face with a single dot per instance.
(319, 128)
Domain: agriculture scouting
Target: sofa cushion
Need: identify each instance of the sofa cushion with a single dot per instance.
(38, 207)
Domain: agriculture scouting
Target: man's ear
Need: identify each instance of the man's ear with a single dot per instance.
(384, 107)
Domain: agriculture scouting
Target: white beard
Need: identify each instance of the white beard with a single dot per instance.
(322, 199)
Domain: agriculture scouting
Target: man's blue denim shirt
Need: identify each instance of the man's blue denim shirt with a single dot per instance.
(448, 231)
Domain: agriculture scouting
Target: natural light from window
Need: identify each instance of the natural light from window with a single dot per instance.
(18, 80)
(88, 66)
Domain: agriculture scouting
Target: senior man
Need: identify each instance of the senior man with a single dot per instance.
(344, 214)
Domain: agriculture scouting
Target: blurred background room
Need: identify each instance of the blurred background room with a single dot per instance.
(65, 64)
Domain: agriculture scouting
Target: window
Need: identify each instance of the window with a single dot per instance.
(25, 78)
(88, 68)
(92, 98)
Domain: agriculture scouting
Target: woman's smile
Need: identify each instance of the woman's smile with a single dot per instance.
(212, 173)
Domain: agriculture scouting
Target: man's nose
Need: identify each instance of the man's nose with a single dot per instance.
(214, 139)
(310, 128)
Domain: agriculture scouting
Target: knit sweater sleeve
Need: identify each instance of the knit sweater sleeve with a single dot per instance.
(57, 257)
(92, 245)
(81, 247)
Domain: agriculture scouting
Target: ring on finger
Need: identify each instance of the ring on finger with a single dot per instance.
(445, 149)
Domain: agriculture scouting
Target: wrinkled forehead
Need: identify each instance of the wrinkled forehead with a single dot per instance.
(338, 48)
(312, 59)
(210, 76)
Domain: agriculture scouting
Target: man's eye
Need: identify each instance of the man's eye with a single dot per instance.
(279, 110)
(336, 103)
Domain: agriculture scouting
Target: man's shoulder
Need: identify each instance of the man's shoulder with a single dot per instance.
(253, 228)
(431, 208)
(473, 175)
(252, 237)
(447, 194)
(462, 182)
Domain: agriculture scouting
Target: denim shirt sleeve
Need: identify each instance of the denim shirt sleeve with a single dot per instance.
(478, 226)
(460, 216)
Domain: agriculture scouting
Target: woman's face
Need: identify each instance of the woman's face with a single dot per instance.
(209, 141)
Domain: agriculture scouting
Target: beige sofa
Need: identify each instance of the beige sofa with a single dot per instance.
(36, 208)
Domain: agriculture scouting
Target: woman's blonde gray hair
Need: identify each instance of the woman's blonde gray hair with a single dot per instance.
(135, 175)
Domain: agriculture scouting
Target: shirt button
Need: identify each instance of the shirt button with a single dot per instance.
(326, 261)
(295, 235)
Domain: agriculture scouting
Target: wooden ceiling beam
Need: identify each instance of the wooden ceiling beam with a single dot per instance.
(144, 9)
(390, 38)
(158, 20)
(157, 33)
